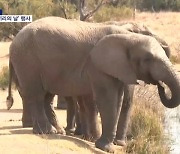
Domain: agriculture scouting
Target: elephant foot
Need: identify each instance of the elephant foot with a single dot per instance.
(89, 138)
(60, 130)
(44, 128)
(120, 142)
(95, 135)
(93, 138)
(86, 137)
(70, 131)
(105, 145)
(78, 131)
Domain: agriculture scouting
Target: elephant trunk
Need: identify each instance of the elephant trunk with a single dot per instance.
(170, 78)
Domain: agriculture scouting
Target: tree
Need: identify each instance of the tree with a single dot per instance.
(84, 15)
(81, 7)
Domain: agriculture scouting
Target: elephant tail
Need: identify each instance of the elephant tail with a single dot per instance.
(10, 100)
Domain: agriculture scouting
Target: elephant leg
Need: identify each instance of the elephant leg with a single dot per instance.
(83, 118)
(41, 124)
(35, 101)
(32, 92)
(124, 116)
(107, 92)
(51, 115)
(92, 117)
(26, 116)
(70, 128)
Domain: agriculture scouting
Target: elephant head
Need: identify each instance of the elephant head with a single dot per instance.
(133, 57)
(141, 29)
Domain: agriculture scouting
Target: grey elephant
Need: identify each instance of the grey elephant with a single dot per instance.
(87, 123)
(82, 122)
(75, 65)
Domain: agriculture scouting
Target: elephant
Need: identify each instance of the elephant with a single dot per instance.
(127, 102)
(128, 92)
(101, 60)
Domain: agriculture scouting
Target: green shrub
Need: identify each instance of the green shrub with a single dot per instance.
(108, 13)
(61, 8)
(36, 8)
(4, 78)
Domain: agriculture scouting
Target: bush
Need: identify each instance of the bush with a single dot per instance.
(4, 78)
(37, 8)
(108, 13)
(147, 133)
(146, 130)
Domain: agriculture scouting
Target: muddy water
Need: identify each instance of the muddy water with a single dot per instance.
(172, 126)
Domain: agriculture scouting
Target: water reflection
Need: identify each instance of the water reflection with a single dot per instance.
(172, 125)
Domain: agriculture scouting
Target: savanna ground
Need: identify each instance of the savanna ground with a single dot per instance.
(15, 139)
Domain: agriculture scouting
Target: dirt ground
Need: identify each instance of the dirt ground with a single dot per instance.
(15, 139)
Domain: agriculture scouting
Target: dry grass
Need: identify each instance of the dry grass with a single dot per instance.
(165, 24)
(146, 131)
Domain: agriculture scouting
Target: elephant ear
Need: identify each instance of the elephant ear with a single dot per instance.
(111, 56)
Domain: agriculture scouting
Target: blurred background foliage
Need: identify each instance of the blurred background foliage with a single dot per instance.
(111, 10)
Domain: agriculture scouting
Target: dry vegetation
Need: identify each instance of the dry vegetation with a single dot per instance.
(165, 24)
